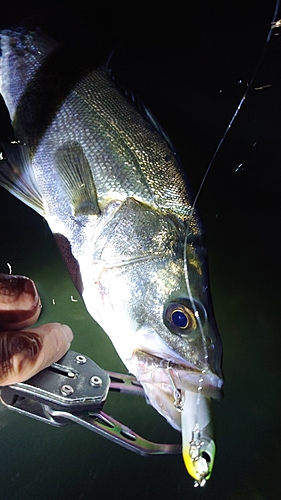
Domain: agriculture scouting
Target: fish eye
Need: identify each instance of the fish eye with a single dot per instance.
(180, 318)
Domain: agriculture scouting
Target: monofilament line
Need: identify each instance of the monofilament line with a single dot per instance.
(272, 26)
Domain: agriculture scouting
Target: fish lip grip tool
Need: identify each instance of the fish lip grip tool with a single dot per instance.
(74, 390)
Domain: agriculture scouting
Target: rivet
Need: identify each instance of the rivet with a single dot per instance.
(66, 390)
(95, 381)
(80, 359)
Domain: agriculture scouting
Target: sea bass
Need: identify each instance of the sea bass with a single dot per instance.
(106, 178)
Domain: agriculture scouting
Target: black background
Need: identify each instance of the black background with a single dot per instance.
(191, 63)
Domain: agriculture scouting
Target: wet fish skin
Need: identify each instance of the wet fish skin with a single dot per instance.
(106, 179)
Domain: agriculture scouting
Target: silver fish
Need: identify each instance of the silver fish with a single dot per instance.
(106, 178)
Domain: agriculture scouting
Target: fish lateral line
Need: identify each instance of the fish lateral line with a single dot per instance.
(127, 262)
(83, 168)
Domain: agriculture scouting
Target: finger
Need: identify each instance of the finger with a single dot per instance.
(26, 352)
(20, 304)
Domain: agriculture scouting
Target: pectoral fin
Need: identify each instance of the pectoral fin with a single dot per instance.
(75, 172)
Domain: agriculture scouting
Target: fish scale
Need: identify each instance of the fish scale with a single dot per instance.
(104, 108)
(105, 178)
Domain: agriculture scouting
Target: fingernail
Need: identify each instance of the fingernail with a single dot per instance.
(30, 288)
(68, 332)
(11, 286)
(26, 343)
(19, 302)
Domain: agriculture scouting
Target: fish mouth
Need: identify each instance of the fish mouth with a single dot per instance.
(167, 383)
(181, 376)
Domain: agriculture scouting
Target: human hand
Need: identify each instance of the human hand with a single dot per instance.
(25, 351)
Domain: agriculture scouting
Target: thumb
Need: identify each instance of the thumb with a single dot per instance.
(26, 352)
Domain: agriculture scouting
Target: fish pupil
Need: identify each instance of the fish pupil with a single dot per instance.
(179, 319)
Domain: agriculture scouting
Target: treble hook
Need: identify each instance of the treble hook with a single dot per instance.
(178, 399)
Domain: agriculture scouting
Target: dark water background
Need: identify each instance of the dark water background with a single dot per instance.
(191, 64)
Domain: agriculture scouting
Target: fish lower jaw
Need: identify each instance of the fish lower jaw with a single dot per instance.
(172, 375)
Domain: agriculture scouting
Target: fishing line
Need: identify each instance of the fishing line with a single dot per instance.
(273, 25)
(195, 441)
(196, 438)
(196, 313)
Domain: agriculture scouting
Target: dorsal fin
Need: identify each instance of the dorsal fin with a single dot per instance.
(139, 103)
